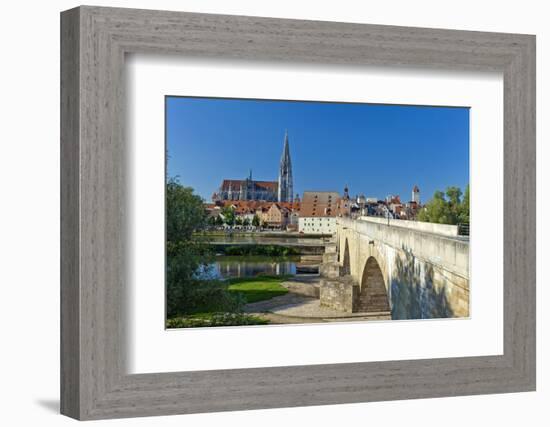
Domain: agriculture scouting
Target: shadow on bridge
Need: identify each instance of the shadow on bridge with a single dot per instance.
(413, 293)
(373, 296)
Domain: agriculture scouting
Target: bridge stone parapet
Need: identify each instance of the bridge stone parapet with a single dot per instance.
(427, 227)
(443, 250)
(416, 270)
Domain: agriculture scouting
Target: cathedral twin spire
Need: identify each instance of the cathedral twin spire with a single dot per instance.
(285, 187)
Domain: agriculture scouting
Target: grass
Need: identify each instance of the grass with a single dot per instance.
(251, 289)
(260, 288)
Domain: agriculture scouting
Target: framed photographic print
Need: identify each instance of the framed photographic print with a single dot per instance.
(262, 213)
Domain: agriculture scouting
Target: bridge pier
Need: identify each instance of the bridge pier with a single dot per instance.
(339, 293)
(330, 267)
(336, 290)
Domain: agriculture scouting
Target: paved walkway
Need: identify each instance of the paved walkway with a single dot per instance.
(304, 284)
(299, 306)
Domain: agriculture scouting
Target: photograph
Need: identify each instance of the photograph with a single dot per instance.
(298, 212)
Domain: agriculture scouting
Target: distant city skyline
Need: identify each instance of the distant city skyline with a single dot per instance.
(374, 149)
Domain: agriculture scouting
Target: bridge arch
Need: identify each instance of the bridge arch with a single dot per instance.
(373, 291)
(346, 266)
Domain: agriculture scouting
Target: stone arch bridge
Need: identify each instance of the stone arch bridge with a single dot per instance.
(402, 269)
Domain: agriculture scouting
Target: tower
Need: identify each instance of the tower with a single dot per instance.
(416, 195)
(250, 187)
(346, 193)
(285, 191)
(230, 192)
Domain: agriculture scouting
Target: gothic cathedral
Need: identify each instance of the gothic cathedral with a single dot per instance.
(266, 191)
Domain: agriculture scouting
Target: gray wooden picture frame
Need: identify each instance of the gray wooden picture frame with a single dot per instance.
(94, 41)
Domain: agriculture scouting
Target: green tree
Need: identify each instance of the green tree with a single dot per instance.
(447, 208)
(464, 211)
(186, 252)
(256, 221)
(238, 220)
(229, 215)
(185, 213)
(188, 255)
(246, 222)
(453, 195)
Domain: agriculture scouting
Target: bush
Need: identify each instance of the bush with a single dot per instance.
(194, 296)
(215, 319)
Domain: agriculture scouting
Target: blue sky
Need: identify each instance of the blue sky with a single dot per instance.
(375, 149)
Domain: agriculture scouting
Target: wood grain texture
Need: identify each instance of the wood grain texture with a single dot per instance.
(70, 297)
(94, 382)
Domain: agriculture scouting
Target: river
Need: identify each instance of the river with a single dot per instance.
(249, 266)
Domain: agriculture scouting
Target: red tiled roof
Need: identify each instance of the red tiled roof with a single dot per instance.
(241, 205)
(319, 203)
(236, 184)
(290, 205)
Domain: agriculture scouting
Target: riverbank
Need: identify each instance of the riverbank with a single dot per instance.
(265, 243)
(249, 290)
(256, 250)
(264, 233)
(274, 300)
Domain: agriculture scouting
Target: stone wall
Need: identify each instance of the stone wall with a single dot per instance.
(422, 290)
(340, 293)
(453, 254)
(427, 227)
(330, 267)
(426, 275)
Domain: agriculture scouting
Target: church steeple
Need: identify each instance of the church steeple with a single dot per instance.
(286, 190)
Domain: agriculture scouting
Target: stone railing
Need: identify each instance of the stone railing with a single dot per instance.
(428, 227)
(451, 253)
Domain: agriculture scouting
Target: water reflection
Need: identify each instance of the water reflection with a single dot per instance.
(227, 267)
(266, 240)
